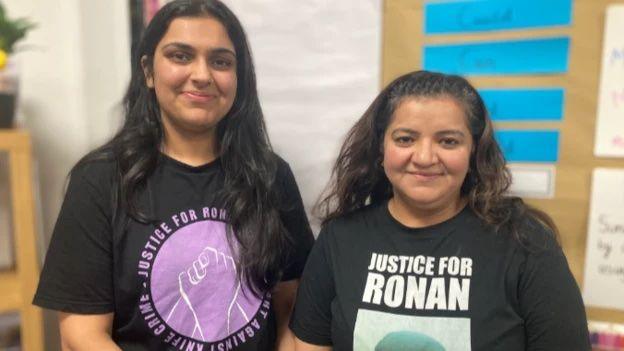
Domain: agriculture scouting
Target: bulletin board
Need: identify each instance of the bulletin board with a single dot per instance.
(403, 41)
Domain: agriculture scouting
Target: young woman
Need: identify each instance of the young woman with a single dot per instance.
(185, 231)
(421, 249)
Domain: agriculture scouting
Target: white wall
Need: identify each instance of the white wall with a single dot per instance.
(74, 68)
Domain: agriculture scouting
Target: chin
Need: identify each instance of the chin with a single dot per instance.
(426, 204)
(203, 121)
(432, 201)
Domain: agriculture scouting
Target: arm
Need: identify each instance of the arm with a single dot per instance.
(77, 275)
(551, 304)
(283, 301)
(312, 316)
(295, 220)
(86, 332)
(301, 345)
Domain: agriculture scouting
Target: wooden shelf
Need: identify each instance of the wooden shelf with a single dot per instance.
(18, 286)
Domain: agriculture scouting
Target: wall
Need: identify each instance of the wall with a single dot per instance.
(73, 71)
(74, 68)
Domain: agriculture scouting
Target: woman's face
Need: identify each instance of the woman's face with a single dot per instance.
(426, 152)
(193, 74)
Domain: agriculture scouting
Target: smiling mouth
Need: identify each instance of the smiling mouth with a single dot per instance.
(425, 176)
(198, 97)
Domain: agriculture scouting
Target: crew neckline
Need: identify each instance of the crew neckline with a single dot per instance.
(435, 230)
(183, 167)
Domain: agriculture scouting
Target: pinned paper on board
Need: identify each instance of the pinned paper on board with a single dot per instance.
(486, 15)
(604, 259)
(512, 57)
(534, 181)
(529, 145)
(535, 104)
(610, 121)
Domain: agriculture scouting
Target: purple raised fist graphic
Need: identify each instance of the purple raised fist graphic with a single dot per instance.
(202, 299)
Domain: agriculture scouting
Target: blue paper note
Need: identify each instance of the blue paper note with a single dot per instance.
(529, 145)
(486, 15)
(524, 104)
(534, 56)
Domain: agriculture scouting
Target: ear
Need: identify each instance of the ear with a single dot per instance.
(147, 71)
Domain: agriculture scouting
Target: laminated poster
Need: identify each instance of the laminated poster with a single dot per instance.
(464, 16)
(604, 258)
(610, 122)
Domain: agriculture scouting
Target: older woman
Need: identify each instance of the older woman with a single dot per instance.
(421, 248)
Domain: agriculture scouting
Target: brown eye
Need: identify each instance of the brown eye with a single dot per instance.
(449, 142)
(180, 57)
(221, 63)
(403, 140)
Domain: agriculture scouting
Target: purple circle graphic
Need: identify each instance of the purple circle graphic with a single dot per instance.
(194, 285)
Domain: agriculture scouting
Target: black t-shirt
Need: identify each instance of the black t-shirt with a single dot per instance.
(371, 283)
(172, 284)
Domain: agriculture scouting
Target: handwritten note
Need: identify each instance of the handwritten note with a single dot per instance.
(618, 97)
(532, 56)
(485, 15)
(604, 259)
(610, 122)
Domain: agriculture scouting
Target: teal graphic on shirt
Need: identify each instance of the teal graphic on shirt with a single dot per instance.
(384, 331)
(408, 341)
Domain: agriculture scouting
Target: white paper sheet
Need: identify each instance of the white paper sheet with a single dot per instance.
(532, 181)
(610, 123)
(318, 68)
(604, 259)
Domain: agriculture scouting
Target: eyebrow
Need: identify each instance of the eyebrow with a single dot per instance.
(183, 46)
(404, 130)
(442, 132)
(451, 132)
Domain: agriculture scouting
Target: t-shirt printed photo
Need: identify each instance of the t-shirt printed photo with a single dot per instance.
(408, 284)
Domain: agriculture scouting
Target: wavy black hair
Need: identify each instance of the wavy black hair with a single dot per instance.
(358, 178)
(245, 152)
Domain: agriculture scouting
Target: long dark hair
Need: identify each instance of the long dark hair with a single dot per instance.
(248, 162)
(358, 178)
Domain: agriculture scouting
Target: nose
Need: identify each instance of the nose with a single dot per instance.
(424, 154)
(201, 74)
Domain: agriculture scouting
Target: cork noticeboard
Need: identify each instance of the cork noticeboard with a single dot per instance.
(403, 40)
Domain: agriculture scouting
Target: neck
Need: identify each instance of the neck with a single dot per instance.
(414, 216)
(193, 149)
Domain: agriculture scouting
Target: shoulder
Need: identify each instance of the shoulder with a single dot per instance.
(284, 182)
(282, 168)
(100, 174)
(529, 229)
(358, 222)
(535, 237)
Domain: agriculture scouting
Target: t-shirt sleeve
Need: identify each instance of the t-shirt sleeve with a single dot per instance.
(551, 303)
(311, 318)
(77, 273)
(295, 220)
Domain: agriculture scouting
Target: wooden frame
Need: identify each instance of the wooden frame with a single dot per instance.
(17, 286)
